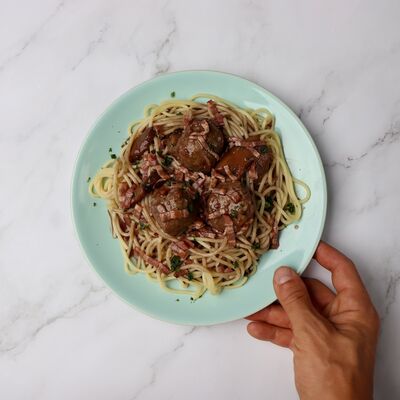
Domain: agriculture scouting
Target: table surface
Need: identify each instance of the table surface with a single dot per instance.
(63, 334)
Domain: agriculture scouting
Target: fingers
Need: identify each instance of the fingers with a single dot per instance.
(294, 298)
(273, 314)
(344, 273)
(321, 295)
(264, 331)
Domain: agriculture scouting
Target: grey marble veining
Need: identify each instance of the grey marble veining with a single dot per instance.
(62, 333)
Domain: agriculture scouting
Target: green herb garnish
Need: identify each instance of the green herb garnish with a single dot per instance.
(110, 150)
(289, 207)
(263, 149)
(177, 300)
(167, 161)
(88, 179)
(94, 204)
(269, 202)
(176, 262)
(113, 156)
(172, 94)
(235, 265)
(233, 213)
(190, 275)
(142, 225)
(256, 246)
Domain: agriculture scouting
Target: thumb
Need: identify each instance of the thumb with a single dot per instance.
(294, 298)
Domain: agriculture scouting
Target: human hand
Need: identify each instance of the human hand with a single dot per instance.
(333, 336)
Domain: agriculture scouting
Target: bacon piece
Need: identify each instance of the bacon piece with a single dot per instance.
(179, 273)
(187, 117)
(138, 252)
(220, 268)
(181, 248)
(205, 232)
(253, 172)
(229, 173)
(274, 235)
(128, 196)
(218, 117)
(229, 231)
(137, 211)
(174, 214)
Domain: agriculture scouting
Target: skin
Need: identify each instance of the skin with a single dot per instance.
(333, 336)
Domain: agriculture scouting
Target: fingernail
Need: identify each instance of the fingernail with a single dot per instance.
(283, 275)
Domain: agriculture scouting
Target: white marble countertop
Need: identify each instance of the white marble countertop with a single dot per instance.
(63, 334)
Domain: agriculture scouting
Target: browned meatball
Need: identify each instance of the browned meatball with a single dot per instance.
(199, 150)
(174, 208)
(237, 159)
(231, 199)
(263, 162)
(141, 144)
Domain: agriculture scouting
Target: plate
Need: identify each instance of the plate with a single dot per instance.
(297, 243)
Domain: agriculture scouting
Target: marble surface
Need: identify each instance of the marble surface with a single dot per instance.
(62, 333)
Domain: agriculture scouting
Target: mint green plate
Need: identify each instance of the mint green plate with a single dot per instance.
(92, 224)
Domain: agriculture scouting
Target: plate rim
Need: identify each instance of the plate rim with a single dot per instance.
(127, 93)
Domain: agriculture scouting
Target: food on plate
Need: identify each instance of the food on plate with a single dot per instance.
(200, 191)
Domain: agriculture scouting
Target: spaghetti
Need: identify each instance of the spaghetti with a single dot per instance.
(199, 192)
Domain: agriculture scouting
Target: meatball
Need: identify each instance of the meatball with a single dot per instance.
(141, 144)
(229, 199)
(263, 162)
(200, 145)
(237, 159)
(174, 208)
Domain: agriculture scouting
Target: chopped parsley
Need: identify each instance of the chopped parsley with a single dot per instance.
(177, 300)
(194, 240)
(233, 213)
(113, 156)
(269, 202)
(172, 94)
(235, 265)
(289, 207)
(94, 204)
(190, 275)
(142, 225)
(176, 262)
(256, 246)
(110, 150)
(88, 179)
(159, 152)
(167, 161)
(263, 149)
